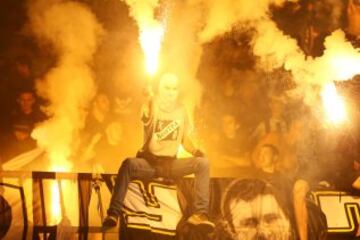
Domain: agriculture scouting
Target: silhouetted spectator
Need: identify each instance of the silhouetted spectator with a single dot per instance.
(230, 149)
(227, 99)
(276, 123)
(26, 110)
(250, 96)
(99, 114)
(266, 169)
(109, 149)
(18, 141)
(102, 136)
(267, 159)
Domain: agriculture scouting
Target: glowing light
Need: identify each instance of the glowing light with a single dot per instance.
(333, 104)
(150, 41)
(345, 67)
(342, 60)
(61, 165)
(55, 203)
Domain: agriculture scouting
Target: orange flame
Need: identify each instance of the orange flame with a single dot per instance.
(150, 40)
(61, 164)
(334, 104)
(55, 203)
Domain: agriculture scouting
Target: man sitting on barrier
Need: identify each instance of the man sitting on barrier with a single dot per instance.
(166, 126)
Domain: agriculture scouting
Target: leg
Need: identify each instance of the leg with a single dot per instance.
(200, 167)
(130, 168)
(301, 188)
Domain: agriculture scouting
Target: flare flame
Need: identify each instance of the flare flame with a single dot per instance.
(334, 104)
(150, 41)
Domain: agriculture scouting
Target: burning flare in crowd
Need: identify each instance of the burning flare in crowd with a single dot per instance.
(150, 40)
(55, 203)
(69, 85)
(150, 29)
(334, 104)
(340, 61)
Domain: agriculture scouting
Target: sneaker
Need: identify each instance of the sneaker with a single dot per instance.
(110, 221)
(201, 221)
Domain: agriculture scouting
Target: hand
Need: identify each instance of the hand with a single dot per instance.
(148, 92)
(198, 153)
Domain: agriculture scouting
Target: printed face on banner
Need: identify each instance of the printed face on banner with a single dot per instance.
(252, 209)
(259, 218)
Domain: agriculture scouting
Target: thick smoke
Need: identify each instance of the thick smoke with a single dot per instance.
(143, 12)
(223, 15)
(340, 60)
(274, 49)
(73, 31)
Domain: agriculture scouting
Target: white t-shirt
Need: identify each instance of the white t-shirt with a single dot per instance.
(167, 129)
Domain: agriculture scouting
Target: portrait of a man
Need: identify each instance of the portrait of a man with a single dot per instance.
(252, 209)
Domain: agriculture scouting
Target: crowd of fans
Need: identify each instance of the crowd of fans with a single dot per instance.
(246, 123)
(242, 110)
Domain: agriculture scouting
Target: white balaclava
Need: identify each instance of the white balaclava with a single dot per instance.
(168, 91)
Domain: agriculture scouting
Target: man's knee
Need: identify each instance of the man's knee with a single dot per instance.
(301, 188)
(127, 165)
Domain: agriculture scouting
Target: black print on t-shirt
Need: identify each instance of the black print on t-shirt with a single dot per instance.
(167, 130)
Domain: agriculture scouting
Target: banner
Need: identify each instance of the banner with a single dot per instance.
(43, 205)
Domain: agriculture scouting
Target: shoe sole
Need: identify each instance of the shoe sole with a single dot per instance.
(203, 227)
(109, 225)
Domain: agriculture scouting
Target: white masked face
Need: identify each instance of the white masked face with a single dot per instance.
(168, 89)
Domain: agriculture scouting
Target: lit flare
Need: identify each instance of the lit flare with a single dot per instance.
(334, 104)
(61, 165)
(150, 41)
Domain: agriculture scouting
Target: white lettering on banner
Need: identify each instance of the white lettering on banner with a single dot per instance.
(154, 207)
(341, 209)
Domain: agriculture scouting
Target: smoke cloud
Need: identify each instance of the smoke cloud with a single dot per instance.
(274, 49)
(222, 15)
(143, 12)
(73, 31)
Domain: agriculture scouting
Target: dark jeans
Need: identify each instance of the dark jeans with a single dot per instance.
(140, 168)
